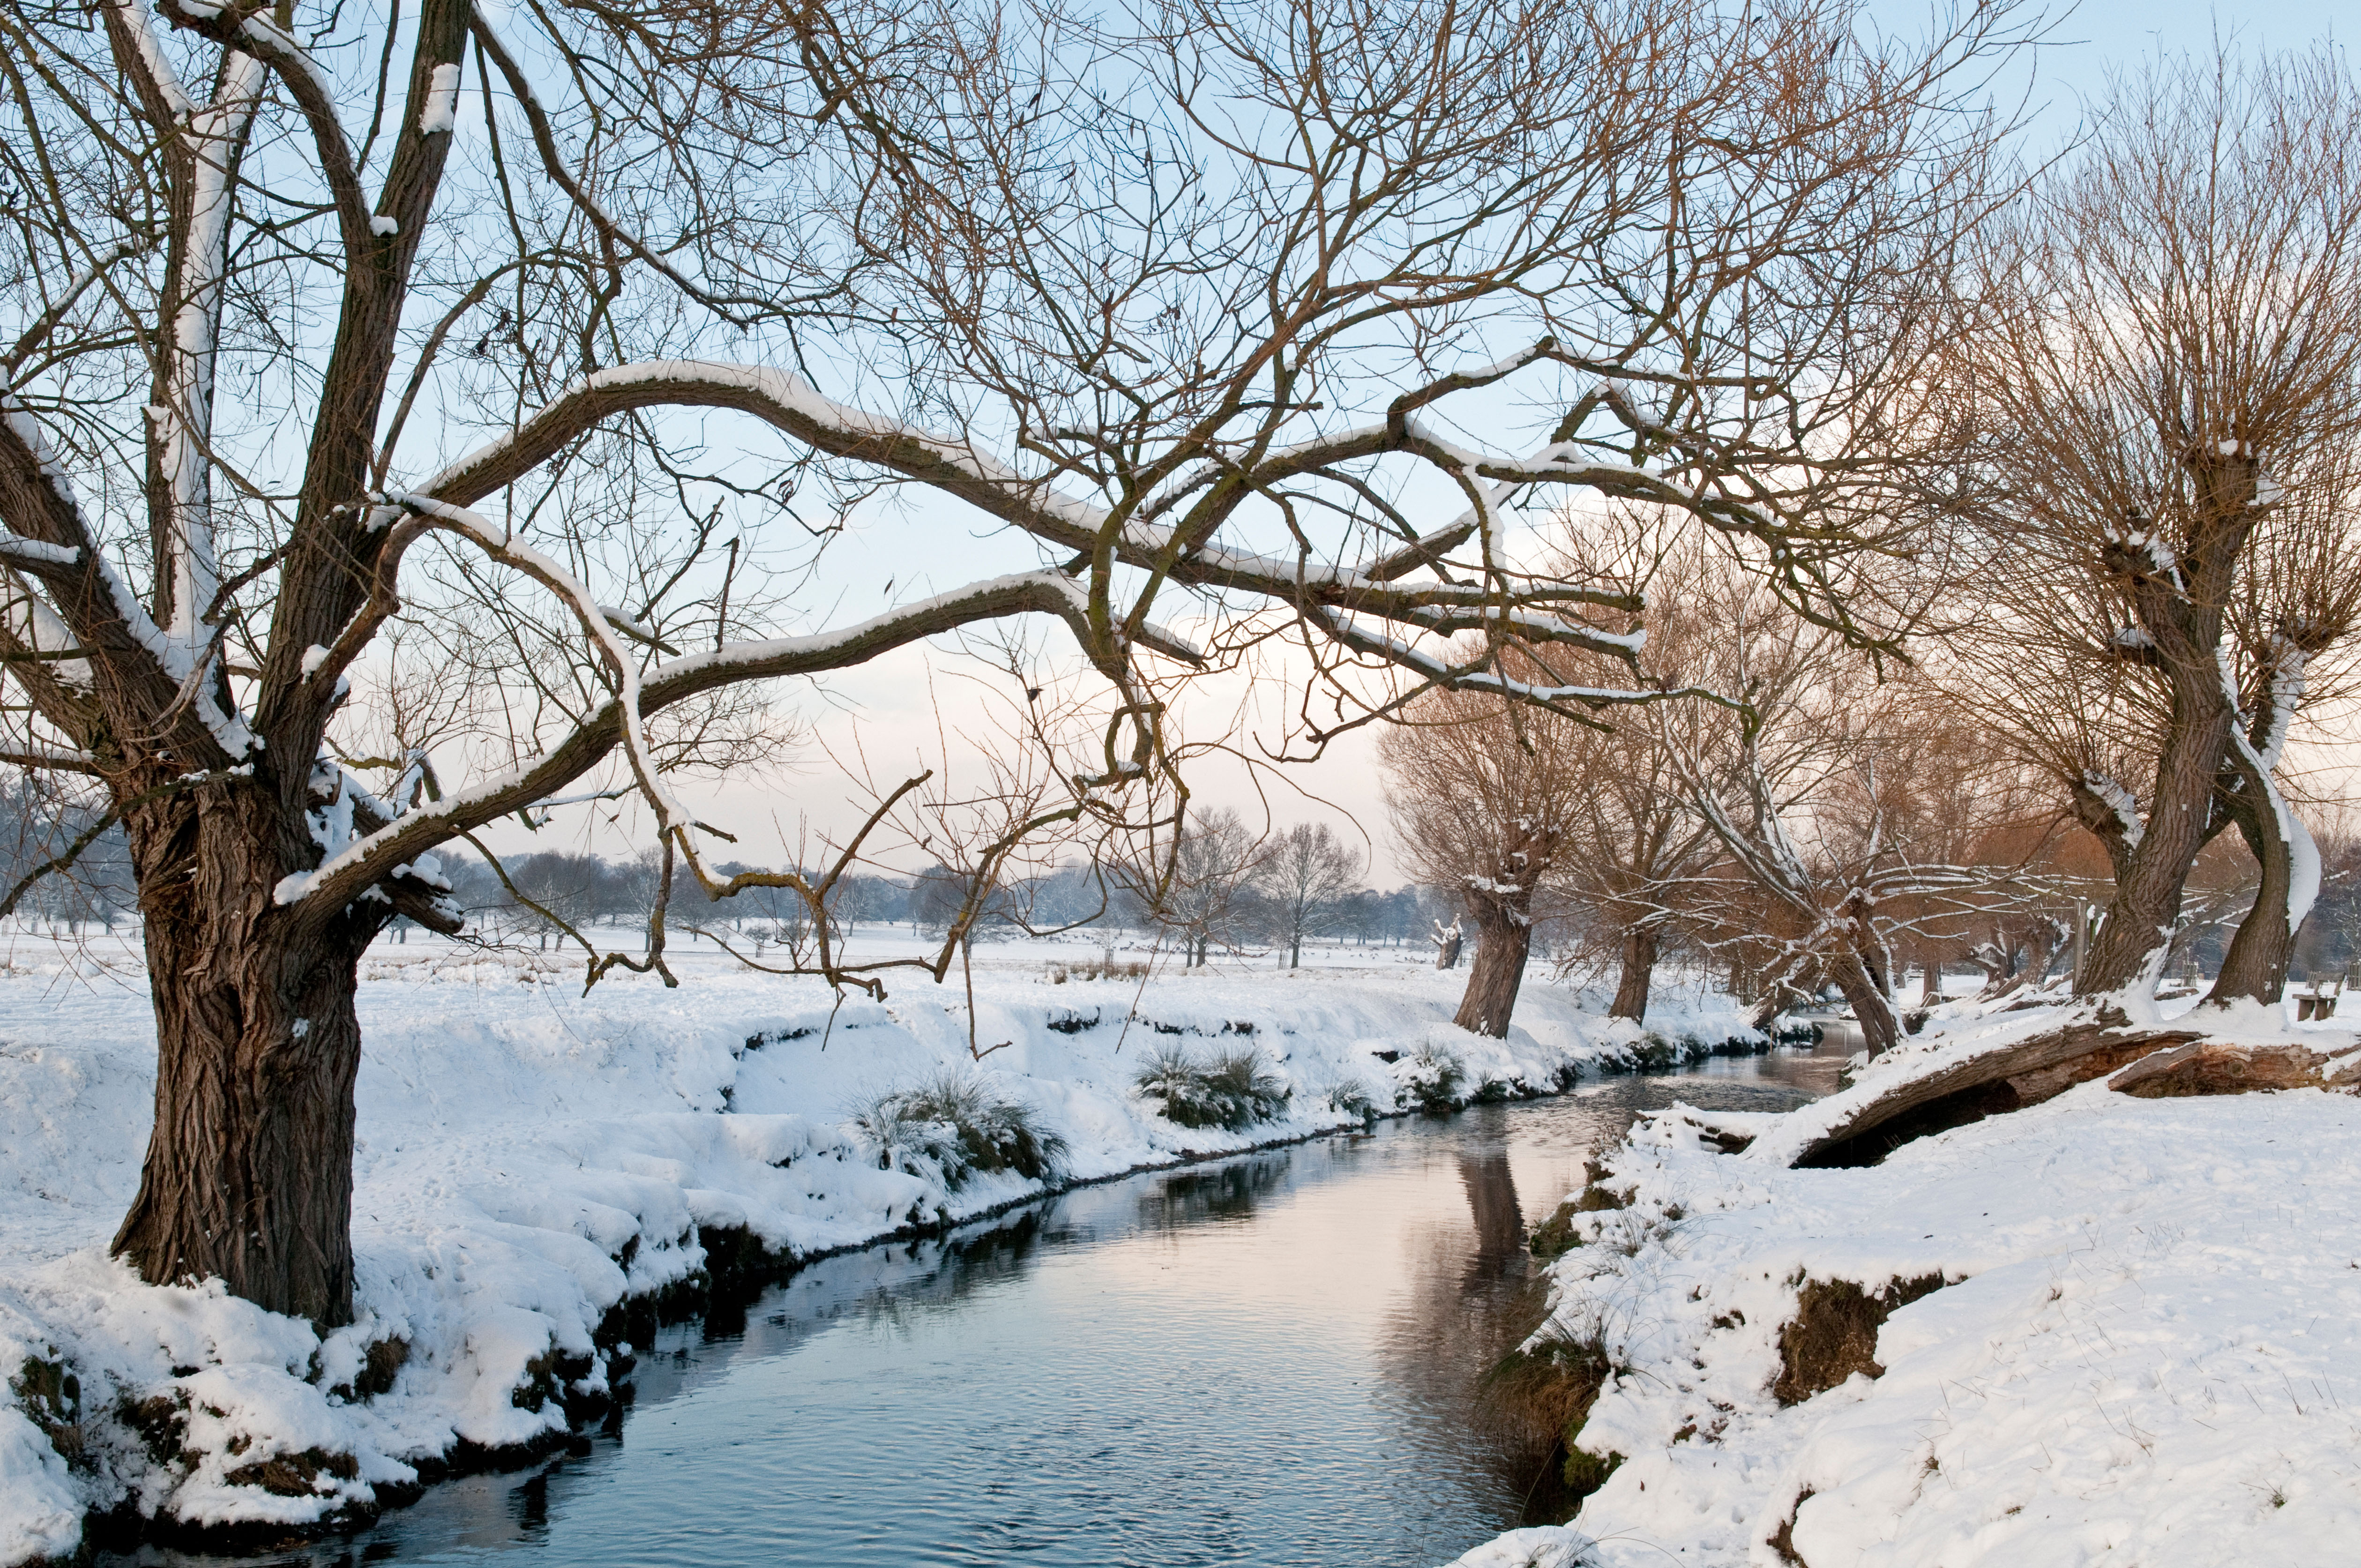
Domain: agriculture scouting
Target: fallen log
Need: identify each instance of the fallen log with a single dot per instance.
(2213, 1067)
(2007, 1079)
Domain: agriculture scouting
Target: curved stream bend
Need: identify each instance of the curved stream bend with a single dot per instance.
(1269, 1360)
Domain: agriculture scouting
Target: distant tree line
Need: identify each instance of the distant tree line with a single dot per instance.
(1238, 891)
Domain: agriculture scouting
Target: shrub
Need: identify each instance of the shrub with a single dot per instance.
(958, 1124)
(1431, 1079)
(1352, 1097)
(1655, 1053)
(1229, 1090)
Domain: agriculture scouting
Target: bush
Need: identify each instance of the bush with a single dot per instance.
(1229, 1090)
(954, 1125)
(1353, 1098)
(1655, 1053)
(1433, 1079)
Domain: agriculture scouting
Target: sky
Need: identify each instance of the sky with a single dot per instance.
(906, 710)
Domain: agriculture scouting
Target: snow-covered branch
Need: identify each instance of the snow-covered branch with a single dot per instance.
(536, 780)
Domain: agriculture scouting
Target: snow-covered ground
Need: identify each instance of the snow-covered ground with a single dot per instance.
(2140, 1327)
(528, 1157)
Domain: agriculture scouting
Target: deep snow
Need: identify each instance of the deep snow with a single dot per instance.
(530, 1157)
(2141, 1354)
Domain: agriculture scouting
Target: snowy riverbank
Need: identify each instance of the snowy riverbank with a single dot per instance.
(530, 1158)
(2115, 1331)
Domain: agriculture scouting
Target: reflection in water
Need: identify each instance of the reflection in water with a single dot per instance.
(1474, 1294)
(1224, 1191)
(1274, 1359)
(1499, 1228)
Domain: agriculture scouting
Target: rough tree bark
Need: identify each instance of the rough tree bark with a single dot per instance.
(2179, 601)
(2256, 967)
(1879, 1026)
(1639, 970)
(1502, 905)
(248, 1174)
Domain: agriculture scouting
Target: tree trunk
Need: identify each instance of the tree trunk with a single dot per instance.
(2182, 612)
(1502, 903)
(249, 1170)
(1879, 1026)
(2147, 902)
(1503, 942)
(2256, 964)
(1638, 970)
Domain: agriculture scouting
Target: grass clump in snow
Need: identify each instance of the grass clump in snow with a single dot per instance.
(953, 1125)
(1431, 1079)
(1230, 1090)
(1353, 1098)
(1543, 1390)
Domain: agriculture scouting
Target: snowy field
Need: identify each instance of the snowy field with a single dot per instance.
(528, 1157)
(2140, 1325)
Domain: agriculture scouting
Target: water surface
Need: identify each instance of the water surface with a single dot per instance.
(1269, 1360)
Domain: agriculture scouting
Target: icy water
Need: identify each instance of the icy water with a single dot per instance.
(1273, 1359)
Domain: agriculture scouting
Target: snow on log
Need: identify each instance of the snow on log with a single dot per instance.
(2220, 1067)
(1957, 1083)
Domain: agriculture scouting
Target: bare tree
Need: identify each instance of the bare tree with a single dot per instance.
(1818, 782)
(1480, 793)
(1308, 872)
(1193, 328)
(1640, 850)
(1204, 890)
(2163, 371)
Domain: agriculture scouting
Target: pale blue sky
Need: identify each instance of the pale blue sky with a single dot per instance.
(895, 707)
(2091, 39)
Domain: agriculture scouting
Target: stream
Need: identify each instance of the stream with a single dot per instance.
(1269, 1359)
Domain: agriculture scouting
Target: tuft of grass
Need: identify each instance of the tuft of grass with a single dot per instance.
(1655, 1053)
(1352, 1097)
(955, 1125)
(1547, 1386)
(1435, 1080)
(1556, 1236)
(1230, 1090)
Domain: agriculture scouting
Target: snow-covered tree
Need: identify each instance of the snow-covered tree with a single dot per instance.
(536, 357)
(2162, 368)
